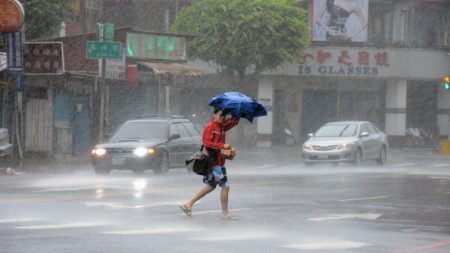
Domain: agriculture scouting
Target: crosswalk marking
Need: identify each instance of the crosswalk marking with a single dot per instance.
(60, 226)
(166, 230)
(218, 211)
(368, 198)
(402, 165)
(438, 165)
(327, 245)
(368, 216)
(18, 220)
(235, 236)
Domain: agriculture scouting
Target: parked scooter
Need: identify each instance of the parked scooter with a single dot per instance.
(288, 136)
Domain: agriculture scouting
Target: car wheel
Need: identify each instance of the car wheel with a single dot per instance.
(290, 141)
(100, 170)
(382, 157)
(358, 157)
(163, 164)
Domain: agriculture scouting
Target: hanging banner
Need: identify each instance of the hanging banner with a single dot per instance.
(14, 52)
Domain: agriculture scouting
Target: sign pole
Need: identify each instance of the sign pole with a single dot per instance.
(101, 32)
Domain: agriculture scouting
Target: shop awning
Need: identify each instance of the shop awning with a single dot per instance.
(3, 64)
(173, 68)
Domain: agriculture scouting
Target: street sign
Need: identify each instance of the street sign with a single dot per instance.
(44, 58)
(103, 50)
(100, 31)
(155, 46)
(109, 32)
(11, 15)
(14, 51)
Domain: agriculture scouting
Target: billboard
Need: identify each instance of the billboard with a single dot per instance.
(339, 20)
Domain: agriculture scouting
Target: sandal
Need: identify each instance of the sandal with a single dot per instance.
(230, 217)
(186, 210)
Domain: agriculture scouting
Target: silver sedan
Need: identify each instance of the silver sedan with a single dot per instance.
(346, 141)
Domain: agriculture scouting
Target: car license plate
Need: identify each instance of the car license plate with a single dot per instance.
(323, 156)
(118, 161)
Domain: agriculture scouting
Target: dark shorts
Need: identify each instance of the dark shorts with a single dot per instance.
(217, 176)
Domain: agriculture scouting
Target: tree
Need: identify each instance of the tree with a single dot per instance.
(43, 18)
(245, 36)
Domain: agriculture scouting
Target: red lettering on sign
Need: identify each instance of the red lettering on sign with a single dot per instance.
(382, 59)
(363, 58)
(303, 59)
(344, 58)
(322, 56)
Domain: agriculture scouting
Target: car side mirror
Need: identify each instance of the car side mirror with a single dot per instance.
(310, 135)
(174, 136)
(364, 134)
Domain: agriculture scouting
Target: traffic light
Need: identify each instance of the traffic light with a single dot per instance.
(446, 83)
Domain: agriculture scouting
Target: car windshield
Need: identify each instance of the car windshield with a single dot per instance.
(142, 130)
(337, 130)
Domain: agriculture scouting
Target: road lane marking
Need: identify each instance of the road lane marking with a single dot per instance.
(438, 177)
(61, 226)
(438, 165)
(167, 230)
(358, 199)
(421, 248)
(403, 164)
(235, 236)
(368, 216)
(327, 245)
(18, 220)
(124, 206)
(217, 211)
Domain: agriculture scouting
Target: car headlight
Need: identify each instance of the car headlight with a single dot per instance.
(99, 151)
(345, 146)
(141, 151)
(307, 147)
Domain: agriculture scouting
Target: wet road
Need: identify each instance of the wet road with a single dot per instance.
(282, 207)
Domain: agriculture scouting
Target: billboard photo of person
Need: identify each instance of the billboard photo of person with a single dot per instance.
(339, 20)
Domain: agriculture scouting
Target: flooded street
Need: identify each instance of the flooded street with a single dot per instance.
(283, 207)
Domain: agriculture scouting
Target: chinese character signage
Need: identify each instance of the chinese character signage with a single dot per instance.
(152, 46)
(116, 69)
(14, 53)
(339, 20)
(44, 58)
(356, 62)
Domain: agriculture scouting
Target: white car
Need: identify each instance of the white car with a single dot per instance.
(346, 141)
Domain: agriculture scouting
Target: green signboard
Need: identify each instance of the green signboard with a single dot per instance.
(153, 46)
(103, 50)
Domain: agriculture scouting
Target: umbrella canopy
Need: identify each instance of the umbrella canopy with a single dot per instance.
(238, 105)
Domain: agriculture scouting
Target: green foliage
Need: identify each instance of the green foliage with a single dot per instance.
(43, 17)
(245, 36)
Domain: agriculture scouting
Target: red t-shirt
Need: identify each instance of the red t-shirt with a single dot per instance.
(213, 138)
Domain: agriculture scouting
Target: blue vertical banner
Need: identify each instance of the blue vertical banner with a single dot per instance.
(14, 51)
(19, 81)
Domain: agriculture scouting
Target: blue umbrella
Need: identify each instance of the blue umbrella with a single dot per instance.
(238, 105)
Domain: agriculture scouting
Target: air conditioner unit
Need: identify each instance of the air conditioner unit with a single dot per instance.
(443, 38)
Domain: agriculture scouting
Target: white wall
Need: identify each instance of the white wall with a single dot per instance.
(443, 103)
(265, 97)
(396, 107)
